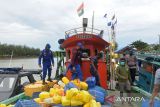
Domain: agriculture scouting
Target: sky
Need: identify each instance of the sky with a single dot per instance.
(37, 22)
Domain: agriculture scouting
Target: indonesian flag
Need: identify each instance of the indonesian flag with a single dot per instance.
(80, 10)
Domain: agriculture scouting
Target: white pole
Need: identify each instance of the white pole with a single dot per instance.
(92, 21)
(10, 59)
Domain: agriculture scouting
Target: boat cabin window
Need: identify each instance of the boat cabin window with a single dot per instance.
(68, 54)
(147, 66)
(96, 52)
(24, 80)
(149, 58)
(157, 59)
(86, 51)
(6, 83)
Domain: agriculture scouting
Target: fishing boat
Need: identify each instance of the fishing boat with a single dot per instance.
(11, 85)
(147, 66)
(93, 42)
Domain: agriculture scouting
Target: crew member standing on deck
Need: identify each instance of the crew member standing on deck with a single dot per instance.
(124, 78)
(48, 61)
(132, 66)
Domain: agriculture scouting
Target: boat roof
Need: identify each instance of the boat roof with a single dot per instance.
(90, 36)
(125, 49)
(149, 58)
(19, 71)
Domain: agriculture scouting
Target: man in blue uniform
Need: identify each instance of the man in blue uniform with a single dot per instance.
(48, 62)
(75, 65)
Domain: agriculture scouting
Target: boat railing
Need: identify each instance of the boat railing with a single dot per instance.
(79, 30)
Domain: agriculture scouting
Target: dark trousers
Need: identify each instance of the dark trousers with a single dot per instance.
(94, 73)
(46, 67)
(133, 74)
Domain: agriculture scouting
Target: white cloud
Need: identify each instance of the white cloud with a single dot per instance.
(37, 22)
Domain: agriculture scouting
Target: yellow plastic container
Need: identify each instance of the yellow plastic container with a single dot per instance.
(31, 88)
(76, 103)
(3, 105)
(87, 105)
(98, 104)
(52, 91)
(93, 103)
(57, 86)
(56, 99)
(65, 101)
(84, 85)
(50, 84)
(61, 92)
(72, 92)
(56, 91)
(10, 105)
(37, 100)
(78, 96)
(44, 95)
(65, 80)
(86, 96)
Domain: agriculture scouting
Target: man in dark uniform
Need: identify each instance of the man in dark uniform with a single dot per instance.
(94, 67)
(48, 62)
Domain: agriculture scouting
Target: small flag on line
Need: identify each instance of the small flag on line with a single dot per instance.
(80, 10)
(109, 23)
(105, 15)
(112, 27)
(115, 21)
(113, 17)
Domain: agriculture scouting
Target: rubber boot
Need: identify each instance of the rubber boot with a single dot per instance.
(44, 82)
(49, 79)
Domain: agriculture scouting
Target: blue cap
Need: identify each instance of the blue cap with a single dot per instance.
(80, 44)
(48, 46)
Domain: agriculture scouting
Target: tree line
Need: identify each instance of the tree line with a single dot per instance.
(143, 46)
(18, 51)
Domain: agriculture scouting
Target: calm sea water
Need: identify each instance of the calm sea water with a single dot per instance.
(27, 63)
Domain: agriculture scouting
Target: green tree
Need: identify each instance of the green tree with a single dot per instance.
(156, 47)
(6, 50)
(140, 45)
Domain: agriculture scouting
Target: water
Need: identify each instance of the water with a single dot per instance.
(27, 63)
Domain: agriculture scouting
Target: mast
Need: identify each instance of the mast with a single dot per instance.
(92, 21)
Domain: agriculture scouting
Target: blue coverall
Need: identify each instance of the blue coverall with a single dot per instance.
(76, 74)
(47, 61)
(76, 62)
